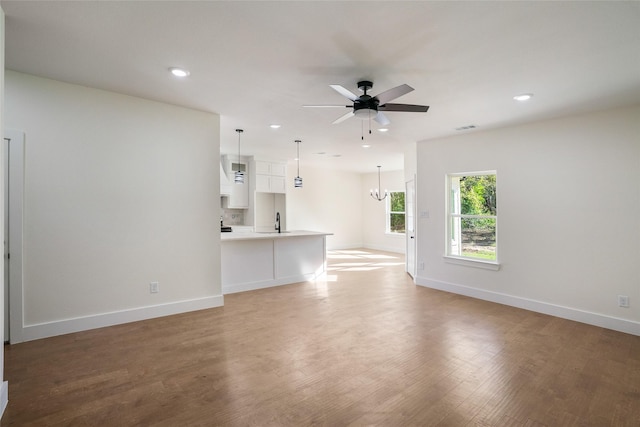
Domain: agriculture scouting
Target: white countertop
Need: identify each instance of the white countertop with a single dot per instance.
(270, 235)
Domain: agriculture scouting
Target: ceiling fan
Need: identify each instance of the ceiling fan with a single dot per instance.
(371, 107)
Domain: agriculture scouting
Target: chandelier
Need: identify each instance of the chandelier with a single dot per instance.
(376, 194)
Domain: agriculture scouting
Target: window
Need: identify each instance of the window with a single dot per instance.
(472, 216)
(395, 212)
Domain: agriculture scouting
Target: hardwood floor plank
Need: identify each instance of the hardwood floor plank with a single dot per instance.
(362, 346)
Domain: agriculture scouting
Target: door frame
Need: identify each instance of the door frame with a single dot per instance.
(410, 216)
(14, 164)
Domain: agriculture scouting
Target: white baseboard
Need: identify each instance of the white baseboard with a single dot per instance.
(4, 397)
(345, 247)
(67, 326)
(242, 287)
(596, 319)
(363, 246)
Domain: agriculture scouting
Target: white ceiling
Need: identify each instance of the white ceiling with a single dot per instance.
(257, 63)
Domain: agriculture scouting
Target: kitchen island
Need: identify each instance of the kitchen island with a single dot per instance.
(261, 260)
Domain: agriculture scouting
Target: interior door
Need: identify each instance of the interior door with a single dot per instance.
(410, 224)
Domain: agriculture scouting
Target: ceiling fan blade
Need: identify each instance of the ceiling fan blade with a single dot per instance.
(391, 94)
(344, 92)
(328, 106)
(404, 107)
(382, 119)
(343, 118)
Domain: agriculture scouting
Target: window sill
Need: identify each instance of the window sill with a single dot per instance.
(469, 262)
(403, 235)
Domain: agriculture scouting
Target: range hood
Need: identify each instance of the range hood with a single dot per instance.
(225, 184)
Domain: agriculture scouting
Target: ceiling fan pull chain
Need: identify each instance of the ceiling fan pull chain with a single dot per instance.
(362, 131)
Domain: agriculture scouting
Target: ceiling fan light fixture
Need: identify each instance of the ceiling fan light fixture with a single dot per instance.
(365, 113)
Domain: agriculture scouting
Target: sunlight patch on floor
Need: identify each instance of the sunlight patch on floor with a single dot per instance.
(341, 256)
(324, 277)
(322, 290)
(349, 264)
(379, 256)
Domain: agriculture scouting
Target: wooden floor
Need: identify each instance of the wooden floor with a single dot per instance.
(363, 347)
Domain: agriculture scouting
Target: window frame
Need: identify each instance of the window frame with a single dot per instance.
(454, 258)
(388, 214)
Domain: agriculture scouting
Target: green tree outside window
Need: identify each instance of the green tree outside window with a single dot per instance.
(473, 216)
(396, 213)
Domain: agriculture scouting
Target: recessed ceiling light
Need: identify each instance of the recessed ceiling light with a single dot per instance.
(274, 126)
(523, 97)
(383, 130)
(179, 72)
(366, 145)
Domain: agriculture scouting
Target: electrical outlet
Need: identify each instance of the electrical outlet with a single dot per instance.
(422, 265)
(154, 287)
(623, 301)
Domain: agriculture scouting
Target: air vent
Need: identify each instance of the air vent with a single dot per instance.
(466, 127)
(324, 153)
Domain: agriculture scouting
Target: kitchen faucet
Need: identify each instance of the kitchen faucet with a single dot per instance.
(278, 222)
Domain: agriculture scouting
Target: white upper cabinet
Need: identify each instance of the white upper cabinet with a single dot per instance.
(278, 169)
(225, 184)
(263, 168)
(270, 177)
(278, 184)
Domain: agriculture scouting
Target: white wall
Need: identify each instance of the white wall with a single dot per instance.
(410, 162)
(329, 201)
(338, 202)
(374, 212)
(568, 203)
(119, 192)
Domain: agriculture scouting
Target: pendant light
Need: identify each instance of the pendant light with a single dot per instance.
(297, 181)
(239, 176)
(376, 194)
